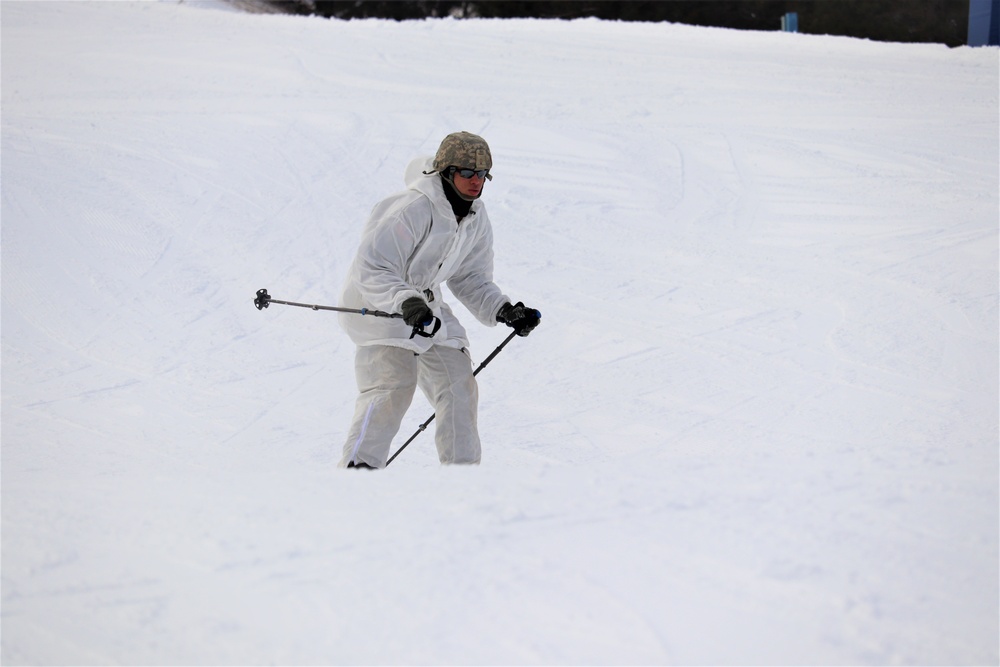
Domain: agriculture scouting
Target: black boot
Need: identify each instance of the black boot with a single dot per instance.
(360, 464)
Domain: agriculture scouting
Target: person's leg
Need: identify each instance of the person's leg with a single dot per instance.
(445, 377)
(387, 377)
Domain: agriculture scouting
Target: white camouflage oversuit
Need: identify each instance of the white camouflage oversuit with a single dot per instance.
(411, 244)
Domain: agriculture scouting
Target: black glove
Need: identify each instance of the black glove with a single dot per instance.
(416, 312)
(519, 317)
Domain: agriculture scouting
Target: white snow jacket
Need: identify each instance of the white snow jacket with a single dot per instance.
(411, 244)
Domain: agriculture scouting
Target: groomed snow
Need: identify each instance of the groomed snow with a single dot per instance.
(758, 425)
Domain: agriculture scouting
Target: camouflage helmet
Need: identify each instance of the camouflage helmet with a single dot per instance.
(463, 150)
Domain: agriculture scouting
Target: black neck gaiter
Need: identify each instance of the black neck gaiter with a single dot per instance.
(460, 206)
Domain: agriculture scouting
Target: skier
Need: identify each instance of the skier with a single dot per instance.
(433, 232)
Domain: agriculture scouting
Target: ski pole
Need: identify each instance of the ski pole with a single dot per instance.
(264, 300)
(424, 426)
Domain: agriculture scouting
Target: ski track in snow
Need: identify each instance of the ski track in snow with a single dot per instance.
(758, 425)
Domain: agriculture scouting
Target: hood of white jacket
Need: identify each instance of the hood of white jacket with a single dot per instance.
(414, 173)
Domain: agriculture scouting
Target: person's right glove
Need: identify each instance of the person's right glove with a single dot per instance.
(519, 317)
(416, 312)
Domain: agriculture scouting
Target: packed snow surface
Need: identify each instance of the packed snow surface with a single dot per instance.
(758, 423)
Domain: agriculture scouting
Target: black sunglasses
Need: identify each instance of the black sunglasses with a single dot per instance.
(468, 173)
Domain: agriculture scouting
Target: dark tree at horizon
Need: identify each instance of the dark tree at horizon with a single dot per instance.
(940, 21)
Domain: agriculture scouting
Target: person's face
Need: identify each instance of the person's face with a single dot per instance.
(472, 186)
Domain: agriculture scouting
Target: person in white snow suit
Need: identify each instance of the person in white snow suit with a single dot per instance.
(436, 231)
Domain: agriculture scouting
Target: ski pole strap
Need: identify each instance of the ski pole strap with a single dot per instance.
(421, 329)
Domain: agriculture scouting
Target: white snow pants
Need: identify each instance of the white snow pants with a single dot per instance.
(387, 377)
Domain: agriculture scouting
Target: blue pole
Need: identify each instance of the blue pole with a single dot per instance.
(984, 20)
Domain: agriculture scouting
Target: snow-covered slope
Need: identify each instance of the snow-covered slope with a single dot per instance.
(759, 423)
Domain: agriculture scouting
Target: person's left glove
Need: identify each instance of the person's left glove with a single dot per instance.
(519, 317)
